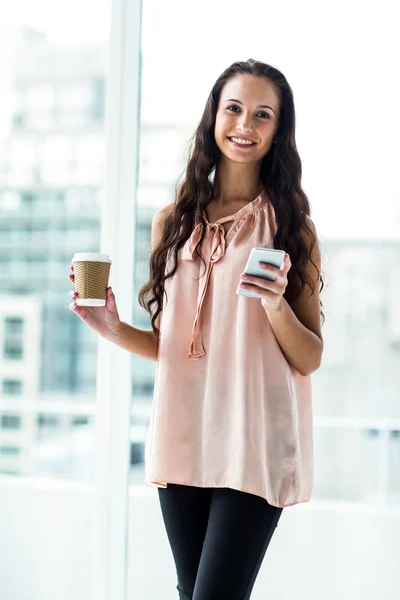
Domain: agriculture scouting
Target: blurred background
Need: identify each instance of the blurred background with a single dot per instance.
(341, 61)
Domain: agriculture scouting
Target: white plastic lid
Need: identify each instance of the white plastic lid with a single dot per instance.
(91, 256)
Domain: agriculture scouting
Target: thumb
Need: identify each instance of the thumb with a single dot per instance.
(110, 295)
(286, 263)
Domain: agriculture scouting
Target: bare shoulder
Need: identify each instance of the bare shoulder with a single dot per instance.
(158, 221)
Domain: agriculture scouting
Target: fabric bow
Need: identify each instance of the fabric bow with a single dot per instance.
(217, 251)
(217, 244)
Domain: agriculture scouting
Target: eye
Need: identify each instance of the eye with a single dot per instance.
(264, 114)
(234, 108)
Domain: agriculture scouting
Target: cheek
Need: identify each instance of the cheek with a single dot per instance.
(219, 135)
(267, 133)
(222, 125)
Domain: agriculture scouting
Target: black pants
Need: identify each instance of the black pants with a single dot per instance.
(218, 538)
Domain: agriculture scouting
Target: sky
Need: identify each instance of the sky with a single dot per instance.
(341, 61)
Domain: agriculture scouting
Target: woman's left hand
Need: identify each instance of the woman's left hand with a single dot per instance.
(271, 291)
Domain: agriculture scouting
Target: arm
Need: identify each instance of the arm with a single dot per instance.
(301, 345)
(297, 328)
(142, 341)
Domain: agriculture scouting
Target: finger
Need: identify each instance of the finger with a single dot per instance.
(264, 283)
(268, 294)
(286, 264)
(74, 307)
(263, 287)
(270, 269)
(72, 277)
(72, 294)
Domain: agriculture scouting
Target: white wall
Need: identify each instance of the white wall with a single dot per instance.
(318, 550)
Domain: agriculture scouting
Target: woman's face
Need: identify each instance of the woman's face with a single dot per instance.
(248, 111)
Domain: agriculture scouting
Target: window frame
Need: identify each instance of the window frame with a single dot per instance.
(110, 518)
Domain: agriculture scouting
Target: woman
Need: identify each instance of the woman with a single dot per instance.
(230, 438)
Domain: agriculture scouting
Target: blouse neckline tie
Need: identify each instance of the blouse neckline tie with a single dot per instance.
(217, 251)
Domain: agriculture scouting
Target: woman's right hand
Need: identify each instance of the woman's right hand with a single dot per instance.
(103, 319)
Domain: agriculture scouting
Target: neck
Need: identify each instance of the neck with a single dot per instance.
(236, 181)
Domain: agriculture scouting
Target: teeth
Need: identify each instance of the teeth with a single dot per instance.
(242, 142)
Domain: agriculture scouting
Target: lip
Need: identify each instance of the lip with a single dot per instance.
(240, 137)
(242, 146)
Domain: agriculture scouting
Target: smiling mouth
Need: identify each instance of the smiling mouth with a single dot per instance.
(238, 142)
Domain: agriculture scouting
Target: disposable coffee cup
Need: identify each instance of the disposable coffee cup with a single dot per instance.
(92, 272)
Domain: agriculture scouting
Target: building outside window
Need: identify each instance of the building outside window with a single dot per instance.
(13, 338)
(10, 421)
(12, 387)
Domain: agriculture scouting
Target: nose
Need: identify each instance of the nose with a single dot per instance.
(244, 124)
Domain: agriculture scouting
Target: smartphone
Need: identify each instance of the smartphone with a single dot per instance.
(267, 255)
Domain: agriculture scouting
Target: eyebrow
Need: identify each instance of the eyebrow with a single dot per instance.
(259, 106)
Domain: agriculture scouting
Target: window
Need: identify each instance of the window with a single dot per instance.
(13, 338)
(10, 450)
(13, 326)
(80, 420)
(28, 198)
(10, 421)
(12, 387)
(47, 421)
(13, 350)
(53, 76)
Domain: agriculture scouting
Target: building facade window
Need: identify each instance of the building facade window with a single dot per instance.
(10, 450)
(13, 338)
(10, 421)
(12, 387)
(48, 421)
(13, 325)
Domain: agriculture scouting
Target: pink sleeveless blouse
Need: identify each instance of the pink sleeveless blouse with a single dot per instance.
(228, 409)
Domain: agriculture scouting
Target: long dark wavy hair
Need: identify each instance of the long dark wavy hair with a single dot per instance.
(280, 174)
